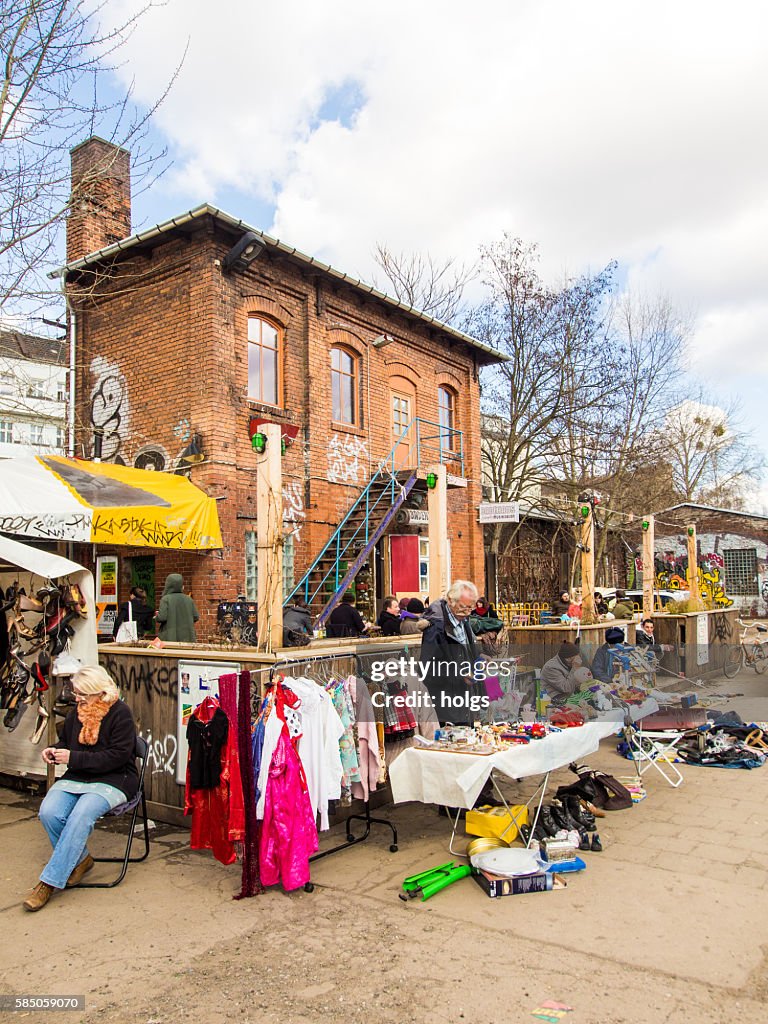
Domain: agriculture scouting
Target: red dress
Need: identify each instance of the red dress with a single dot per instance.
(218, 816)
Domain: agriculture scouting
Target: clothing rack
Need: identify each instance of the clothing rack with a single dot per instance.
(366, 817)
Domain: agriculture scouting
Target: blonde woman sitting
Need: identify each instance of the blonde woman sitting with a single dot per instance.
(97, 745)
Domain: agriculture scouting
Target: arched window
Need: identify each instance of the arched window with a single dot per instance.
(446, 404)
(263, 360)
(344, 374)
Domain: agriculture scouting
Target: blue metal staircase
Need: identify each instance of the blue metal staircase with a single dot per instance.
(350, 545)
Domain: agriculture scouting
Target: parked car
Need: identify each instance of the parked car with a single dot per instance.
(660, 597)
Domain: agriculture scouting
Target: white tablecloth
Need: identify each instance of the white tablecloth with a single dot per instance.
(438, 777)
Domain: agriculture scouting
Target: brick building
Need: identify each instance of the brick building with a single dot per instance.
(190, 333)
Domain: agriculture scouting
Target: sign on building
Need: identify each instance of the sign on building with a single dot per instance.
(499, 512)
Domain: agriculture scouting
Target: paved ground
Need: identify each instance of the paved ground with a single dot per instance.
(669, 923)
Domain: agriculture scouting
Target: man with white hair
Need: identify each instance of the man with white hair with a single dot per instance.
(449, 653)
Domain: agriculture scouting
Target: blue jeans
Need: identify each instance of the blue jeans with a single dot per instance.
(68, 818)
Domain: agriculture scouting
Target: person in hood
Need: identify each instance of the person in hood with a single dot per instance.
(297, 623)
(177, 614)
(449, 654)
(412, 618)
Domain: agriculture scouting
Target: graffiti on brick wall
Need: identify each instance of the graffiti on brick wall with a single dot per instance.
(294, 513)
(347, 459)
(109, 408)
(671, 573)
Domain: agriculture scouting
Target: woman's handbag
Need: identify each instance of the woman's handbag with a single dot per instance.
(127, 633)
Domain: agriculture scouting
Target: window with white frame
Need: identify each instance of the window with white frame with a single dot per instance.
(252, 570)
(6, 432)
(36, 434)
(424, 565)
(36, 389)
(61, 437)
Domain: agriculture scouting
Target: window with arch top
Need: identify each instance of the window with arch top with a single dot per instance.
(263, 360)
(344, 374)
(446, 405)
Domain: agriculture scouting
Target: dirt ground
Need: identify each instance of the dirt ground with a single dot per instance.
(670, 922)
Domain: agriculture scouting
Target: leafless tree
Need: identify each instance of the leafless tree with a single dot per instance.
(55, 55)
(433, 287)
(713, 460)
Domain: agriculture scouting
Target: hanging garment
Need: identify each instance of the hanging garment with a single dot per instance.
(367, 739)
(347, 748)
(217, 818)
(288, 831)
(399, 719)
(205, 741)
(375, 690)
(322, 730)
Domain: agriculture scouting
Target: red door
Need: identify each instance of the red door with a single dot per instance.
(404, 553)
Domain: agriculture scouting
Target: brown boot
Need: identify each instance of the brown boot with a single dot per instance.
(82, 869)
(40, 896)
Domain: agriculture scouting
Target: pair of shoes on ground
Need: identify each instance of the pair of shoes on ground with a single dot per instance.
(42, 892)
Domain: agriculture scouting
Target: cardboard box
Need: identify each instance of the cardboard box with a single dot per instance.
(494, 886)
(496, 821)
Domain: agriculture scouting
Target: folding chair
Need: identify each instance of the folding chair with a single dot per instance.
(141, 752)
(655, 748)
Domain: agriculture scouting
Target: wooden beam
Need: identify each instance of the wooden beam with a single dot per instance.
(649, 570)
(269, 507)
(588, 616)
(437, 506)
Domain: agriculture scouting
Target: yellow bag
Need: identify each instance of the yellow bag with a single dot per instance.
(497, 821)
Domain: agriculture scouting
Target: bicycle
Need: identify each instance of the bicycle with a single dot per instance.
(749, 652)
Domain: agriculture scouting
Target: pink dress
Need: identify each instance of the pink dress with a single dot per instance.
(288, 831)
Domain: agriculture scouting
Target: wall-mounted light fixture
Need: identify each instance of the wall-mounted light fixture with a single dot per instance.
(259, 443)
(382, 340)
(243, 253)
(431, 481)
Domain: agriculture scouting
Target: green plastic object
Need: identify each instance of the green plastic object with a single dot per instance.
(442, 883)
(415, 881)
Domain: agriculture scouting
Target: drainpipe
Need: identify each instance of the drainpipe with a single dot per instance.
(72, 355)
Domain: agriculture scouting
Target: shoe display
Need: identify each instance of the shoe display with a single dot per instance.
(597, 846)
(80, 871)
(584, 841)
(548, 822)
(584, 819)
(39, 897)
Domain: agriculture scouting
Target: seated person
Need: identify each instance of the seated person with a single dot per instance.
(557, 674)
(604, 660)
(484, 609)
(574, 610)
(97, 746)
(345, 620)
(623, 609)
(601, 608)
(297, 623)
(562, 604)
(389, 621)
(645, 639)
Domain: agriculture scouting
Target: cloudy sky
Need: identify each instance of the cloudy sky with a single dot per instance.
(606, 129)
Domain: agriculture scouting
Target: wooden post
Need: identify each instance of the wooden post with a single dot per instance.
(437, 507)
(269, 509)
(696, 602)
(588, 616)
(649, 570)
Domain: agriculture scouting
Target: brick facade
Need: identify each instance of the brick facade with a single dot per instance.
(163, 356)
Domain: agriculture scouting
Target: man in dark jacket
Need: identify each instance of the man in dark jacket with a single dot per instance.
(345, 620)
(177, 614)
(389, 620)
(449, 655)
(605, 663)
(141, 613)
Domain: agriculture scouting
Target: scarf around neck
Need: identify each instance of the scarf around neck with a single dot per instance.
(90, 716)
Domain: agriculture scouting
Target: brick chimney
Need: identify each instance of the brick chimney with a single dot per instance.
(100, 201)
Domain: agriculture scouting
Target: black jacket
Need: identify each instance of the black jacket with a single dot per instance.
(295, 620)
(345, 620)
(143, 615)
(448, 665)
(111, 759)
(390, 624)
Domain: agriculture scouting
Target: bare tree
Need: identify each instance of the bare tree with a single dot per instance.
(554, 374)
(713, 460)
(55, 55)
(418, 280)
